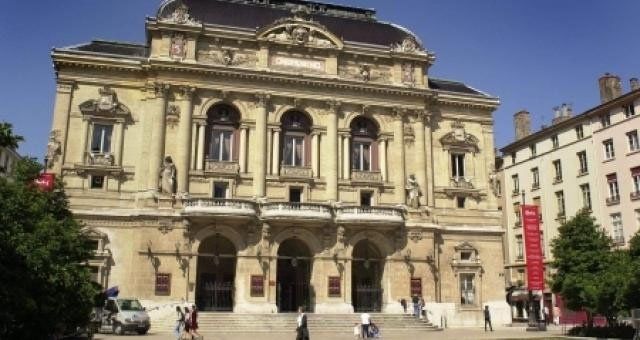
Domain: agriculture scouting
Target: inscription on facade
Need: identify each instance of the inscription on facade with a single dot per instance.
(291, 63)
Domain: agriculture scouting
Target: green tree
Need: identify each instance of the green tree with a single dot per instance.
(632, 294)
(581, 256)
(7, 138)
(45, 287)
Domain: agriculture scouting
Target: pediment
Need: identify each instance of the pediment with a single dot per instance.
(465, 246)
(459, 139)
(299, 31)
(106, 105)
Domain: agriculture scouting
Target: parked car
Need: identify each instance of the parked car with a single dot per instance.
(121, 315)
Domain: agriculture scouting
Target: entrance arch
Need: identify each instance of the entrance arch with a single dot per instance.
(293, 288)
(216, 273)
(367, 267)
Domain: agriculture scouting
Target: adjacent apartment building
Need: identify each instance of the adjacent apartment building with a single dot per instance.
(257, 156)
(8, 159)
(587, 161)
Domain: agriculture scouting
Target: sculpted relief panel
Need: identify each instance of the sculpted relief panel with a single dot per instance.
(210, 53)
(365, 72)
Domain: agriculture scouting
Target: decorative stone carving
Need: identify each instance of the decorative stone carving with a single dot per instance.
(341, 235)
(101, 159)
(366, 176)
(210, 53)
(222, 167)
(494, 181)
(413, 192)
(408, 73)
(299, 30)
(408, 45)
(168, 173)
(106, 104)
(365, 72)
(178, 49)
(459, 139)
(53, 148)
(294, 171)
(173, 110)
(415, 235)
(180, 16)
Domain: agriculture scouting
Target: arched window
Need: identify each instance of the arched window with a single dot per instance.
(222, 133)
(296, 146)
(364, 145)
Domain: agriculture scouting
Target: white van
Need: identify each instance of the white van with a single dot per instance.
(122, 315)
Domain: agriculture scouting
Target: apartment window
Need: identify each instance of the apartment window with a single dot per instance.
(101, 139)
(632, 137)
(536, 202)
(457, 165)
(220, 190)
(618, 232)
(513, 158)
(579, 132)
(519, 248)
(535, 177)
(635, 175)
(629, 110)
(467, 289)
(364, 146)
(542, 247)
(557, 166)
(609, 152)
(517, 214)
(366, 198)
(516, 184)
(222, 123)
(614, 192)
(163, 284)
(295, 195)
(637, 218)
(605, 119)
(586, 196)
(460, 201)
(582, 160)
(97, 182)
(560, 203)
(555, 142)
(533, 150)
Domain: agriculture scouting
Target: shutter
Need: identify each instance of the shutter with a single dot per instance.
(307, 150)
(236, 145)
(375, 166)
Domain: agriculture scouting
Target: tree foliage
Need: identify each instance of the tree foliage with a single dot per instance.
(44, 286)
(7, 138)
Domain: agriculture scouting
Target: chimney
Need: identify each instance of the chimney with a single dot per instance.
(610, 87)
(562, 113)
(634, 84)
(522, 122)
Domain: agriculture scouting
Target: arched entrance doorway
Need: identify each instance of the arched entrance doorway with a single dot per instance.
(293, 276)
(216, 274)
(367, 267)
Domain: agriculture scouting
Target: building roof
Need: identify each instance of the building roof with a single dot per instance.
(349, 23)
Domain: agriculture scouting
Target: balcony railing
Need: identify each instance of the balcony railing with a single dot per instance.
(295, 171)
(221, 206)
(613, 200)
(211, 165)
(461, 182)
(366, 176)
(635, 196)
(296, 210)
(370, 214)
(535, 186)
(557, 180)
(100, 159)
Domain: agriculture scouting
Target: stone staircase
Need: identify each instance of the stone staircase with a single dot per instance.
(285, 323)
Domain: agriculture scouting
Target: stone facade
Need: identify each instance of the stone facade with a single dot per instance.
(209, 159)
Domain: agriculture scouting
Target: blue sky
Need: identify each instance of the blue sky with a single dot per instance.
(534, 55)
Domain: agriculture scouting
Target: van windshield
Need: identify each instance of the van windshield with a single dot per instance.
(126, 304)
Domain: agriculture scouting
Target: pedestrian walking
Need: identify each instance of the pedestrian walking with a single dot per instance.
(416, 305)
(179, 323)
(302, 330)
(556, 315)
(545, 310)
(403, 303)
(187, 324)
(487, 319)
(422, 304)
(365, 320)
(194, 323)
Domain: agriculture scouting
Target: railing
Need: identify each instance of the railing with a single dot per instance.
(295, 171)
(104, 159)
(635, 195)
(557, 179)
(613, 200)
(366, 176)
(461, 182)
(211, 165)
(295, 209)
(219, 205)
(387, 214)
(535, 186)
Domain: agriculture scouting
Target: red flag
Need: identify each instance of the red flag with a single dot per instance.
(45, 181)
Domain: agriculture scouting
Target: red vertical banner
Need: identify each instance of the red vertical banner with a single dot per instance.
(533, 249)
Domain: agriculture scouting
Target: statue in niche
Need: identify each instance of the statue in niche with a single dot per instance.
(178, 48)
(53, 148)
(168, 174)
(365, 72)
(408, 74)
(413, 190)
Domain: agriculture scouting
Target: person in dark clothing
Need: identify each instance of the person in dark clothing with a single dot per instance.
(416, 306)
(301, 329)
(487, 319)
(403, 303)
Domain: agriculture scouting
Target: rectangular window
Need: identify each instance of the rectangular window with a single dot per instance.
(163, 284)
(516, 184)
(618, 231)
(361, 156)
(635, 176)
(295, 195)
(257, 285)
(555, 142)
(560, 203)
(582, 160)
(632, 137)
(605, 119)
(334, 286)
(466, 256)
(536, 202)
(101, 139)
(535, 178)
(460, 201)
(629, 110)
(221, 145)
(533, 150)
(517, 214)
(609, 152)
(293, 152)
(542, 247)
(220, 189)
(586, 196)
(416, 286)
(614, 191)
(637, 218)
(457, 165)
(467, 289)
(557, 167)
(366, 198)
(519, 248)
(97, 182)
(579, 132)
(513, 158)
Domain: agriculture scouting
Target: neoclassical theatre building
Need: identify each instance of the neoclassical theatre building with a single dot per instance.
(254, 156)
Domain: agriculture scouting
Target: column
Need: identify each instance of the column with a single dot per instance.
(83, 141)
(315, 153)
(332, 152)
(383, 159)
(119, 143)
(61, 112)
(340, 157)
(184, 139)
(429, 161)
(243, 149)
(158, 111)
(421, 157)
(260, 146)
(194, 144)
(275, 152)
(398, 136)
(202, 128)
(346, 144)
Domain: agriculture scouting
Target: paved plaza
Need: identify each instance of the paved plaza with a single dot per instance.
(459, 333)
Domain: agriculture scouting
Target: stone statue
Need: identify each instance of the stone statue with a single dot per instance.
(53, 148)
(413, 189)
(168, 173)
